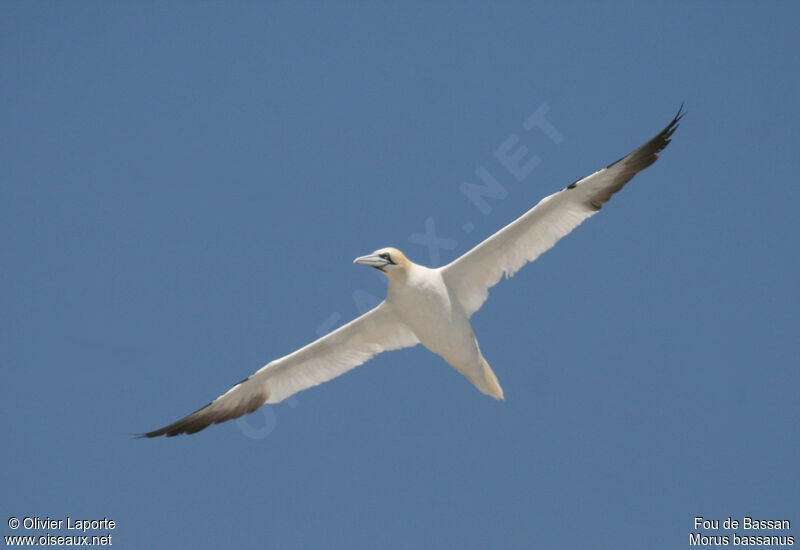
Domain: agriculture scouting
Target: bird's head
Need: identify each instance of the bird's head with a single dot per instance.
(389, 260)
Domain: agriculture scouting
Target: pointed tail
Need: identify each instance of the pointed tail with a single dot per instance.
(492, 386)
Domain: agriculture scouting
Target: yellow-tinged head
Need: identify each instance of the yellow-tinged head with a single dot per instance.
(389, 260)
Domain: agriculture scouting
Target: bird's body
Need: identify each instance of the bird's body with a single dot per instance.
(425, 303)
(430, 306)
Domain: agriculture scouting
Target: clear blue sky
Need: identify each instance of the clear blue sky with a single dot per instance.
(184, 187)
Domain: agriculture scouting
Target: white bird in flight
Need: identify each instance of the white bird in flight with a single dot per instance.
(428, 306)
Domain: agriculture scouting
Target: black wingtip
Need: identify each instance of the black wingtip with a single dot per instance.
(633, 163)
(190, 424)
(681, 111)
(648, 153)
(678, 116)
(215, 412)
(667, 132)
(663, 139)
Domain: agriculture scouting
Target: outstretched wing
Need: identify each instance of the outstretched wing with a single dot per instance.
(336, 353)
(536, 231)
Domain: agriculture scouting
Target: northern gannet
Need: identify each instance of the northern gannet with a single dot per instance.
(430, 306)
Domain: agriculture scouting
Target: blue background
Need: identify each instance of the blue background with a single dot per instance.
(185, 185)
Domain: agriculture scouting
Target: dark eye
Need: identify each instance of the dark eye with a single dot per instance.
(386, 257)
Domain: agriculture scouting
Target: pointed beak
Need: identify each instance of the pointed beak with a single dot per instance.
(372, 260)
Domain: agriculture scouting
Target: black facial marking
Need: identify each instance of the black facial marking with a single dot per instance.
(387, 257)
